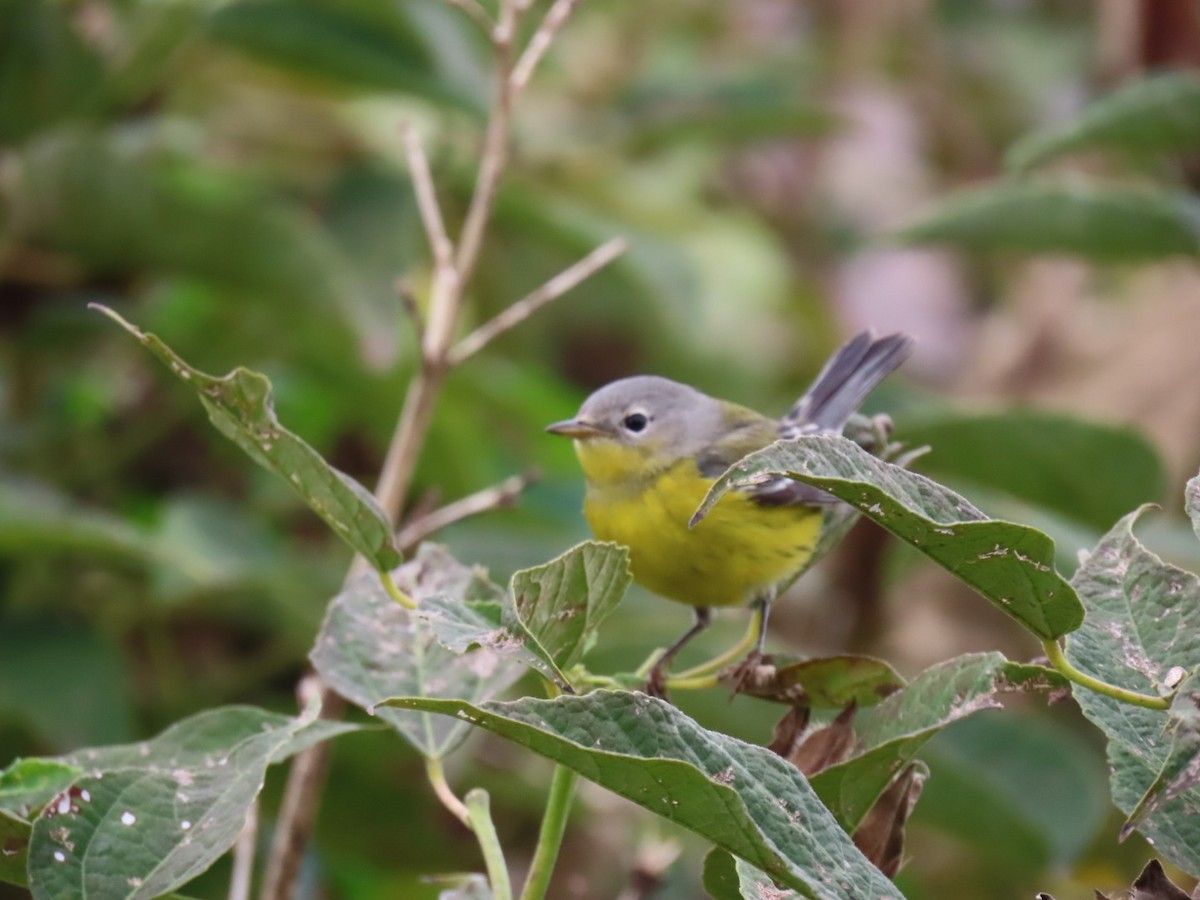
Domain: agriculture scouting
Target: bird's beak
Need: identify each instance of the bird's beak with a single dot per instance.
(576, 428)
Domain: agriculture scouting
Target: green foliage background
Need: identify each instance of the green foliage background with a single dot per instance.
(230, 177)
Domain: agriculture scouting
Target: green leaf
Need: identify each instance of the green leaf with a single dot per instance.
(1042, 783)
(240, 406)
(549, 616)
(14, 849)
(146, 818)
(828, 682)
(660, 118)
(563, 602)
(47, 72)
(1011, 565)
(29, 783)
(40, 666)
(1191, 503)
(742, 797)
(1106, 223)
(1089, 472)
(1142, 631)
(888, 736)
(120, 211)
(1158, 114)
(331, 44)
(720, 875)
(35, 517)
(371, 648)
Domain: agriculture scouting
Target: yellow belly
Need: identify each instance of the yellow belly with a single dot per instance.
(737, 552)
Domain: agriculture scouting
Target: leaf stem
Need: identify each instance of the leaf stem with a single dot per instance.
(1059, 661)
(437, 779)
(554, 824)
(698, 683)
(394, 592)
(480, 821)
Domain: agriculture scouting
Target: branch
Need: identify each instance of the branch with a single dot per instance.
(494, 155)
(243, 856)
(497, 496)
(298, 812)
(555, 18)
(427, 203)
(532, 302)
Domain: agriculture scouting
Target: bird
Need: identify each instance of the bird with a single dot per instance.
(650, 449)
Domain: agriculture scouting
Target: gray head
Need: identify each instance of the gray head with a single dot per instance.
(661, 419)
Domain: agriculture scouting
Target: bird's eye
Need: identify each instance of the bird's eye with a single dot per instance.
(635, 422)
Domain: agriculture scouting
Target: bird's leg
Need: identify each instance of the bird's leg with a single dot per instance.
(747, 667)
(656, 681)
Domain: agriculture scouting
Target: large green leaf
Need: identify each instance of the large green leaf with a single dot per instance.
(1089, 472)
(888, 735)
(1142, 633)
(333, 44)
(146, 818)
(1158, 114)
(47, 667)
(241, 407)
(1107, 223)
(371, 648)
(1042, 782)
(1011, 565)
(114, 209)
(740, 796)
(35, 517)
(47, 71)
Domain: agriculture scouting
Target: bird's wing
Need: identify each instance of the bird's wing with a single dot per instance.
(745, 432)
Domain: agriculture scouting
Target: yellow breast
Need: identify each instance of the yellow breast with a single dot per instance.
(738, 551)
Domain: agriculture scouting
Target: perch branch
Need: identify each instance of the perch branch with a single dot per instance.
(497, 496)
(534, 301)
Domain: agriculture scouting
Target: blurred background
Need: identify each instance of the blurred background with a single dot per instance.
(230, 176)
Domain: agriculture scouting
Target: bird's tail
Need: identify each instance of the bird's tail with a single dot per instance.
(849, 376)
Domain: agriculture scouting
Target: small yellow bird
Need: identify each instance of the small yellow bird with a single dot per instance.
(650, 449)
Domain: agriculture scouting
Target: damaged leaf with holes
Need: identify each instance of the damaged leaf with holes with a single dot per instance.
(548, 618)
(143, 819)
(740, 796)
(888, 736)
(1011, 565)
(240, 406)
(371, 648)
(1142, 633)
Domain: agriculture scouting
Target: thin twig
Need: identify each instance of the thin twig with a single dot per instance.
(497, 496)
(243, 856)
(476, 12)
(494, 155)
(301, 798)
(535, 300)
(427, 202)
(555, 18)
